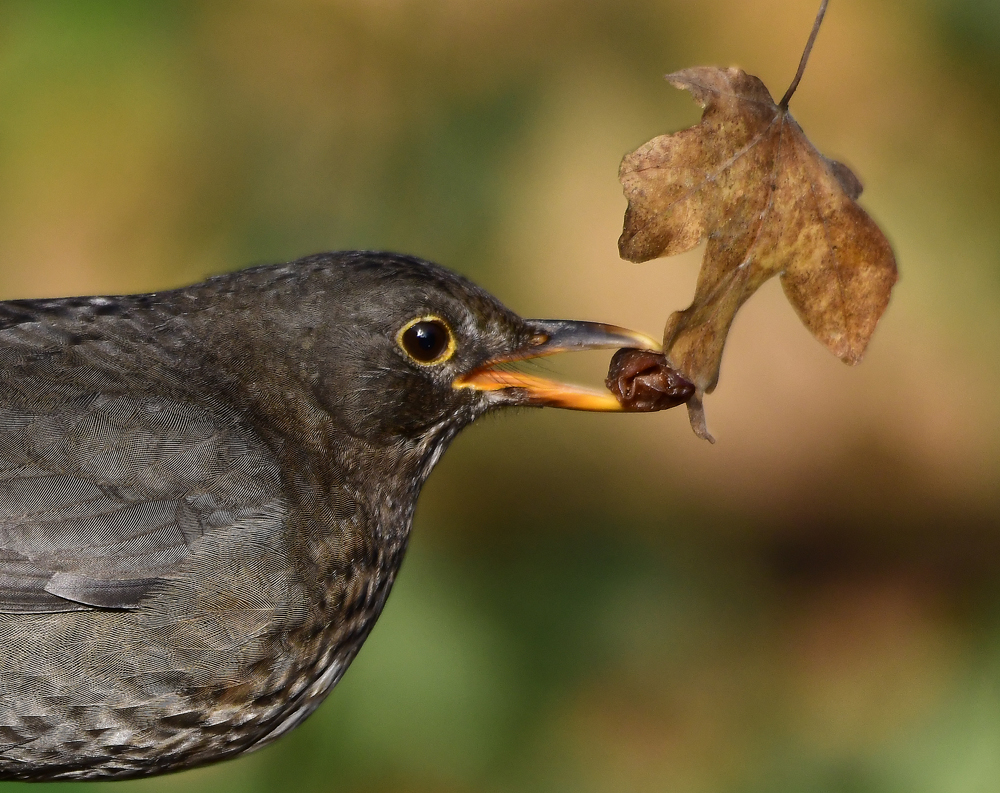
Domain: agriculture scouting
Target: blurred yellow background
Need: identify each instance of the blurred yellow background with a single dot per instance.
(590, 603)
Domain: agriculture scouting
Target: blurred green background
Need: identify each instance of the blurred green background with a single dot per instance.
(590, 603)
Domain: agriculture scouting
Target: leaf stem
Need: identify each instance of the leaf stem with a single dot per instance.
(783, 104)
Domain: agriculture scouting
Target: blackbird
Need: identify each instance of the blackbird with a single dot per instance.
(206, 493)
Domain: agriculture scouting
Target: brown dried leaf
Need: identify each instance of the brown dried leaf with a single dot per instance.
(749, 180)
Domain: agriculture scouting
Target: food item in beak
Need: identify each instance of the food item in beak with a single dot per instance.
(643, 381)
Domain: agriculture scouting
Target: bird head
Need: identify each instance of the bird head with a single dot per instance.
(419, 350)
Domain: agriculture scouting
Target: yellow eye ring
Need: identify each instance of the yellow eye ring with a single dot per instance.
(426, 340)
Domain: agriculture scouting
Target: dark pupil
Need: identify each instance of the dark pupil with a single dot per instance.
(426, 341)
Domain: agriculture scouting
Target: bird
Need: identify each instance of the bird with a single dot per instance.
(206, 493)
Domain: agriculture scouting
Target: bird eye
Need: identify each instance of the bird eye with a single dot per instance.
(427, 340)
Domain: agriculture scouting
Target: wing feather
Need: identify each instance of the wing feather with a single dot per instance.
(102, 495)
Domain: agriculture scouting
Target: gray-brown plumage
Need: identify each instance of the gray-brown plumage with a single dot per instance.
(205, 495)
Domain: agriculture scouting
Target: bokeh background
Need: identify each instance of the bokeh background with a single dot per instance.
(590, 603)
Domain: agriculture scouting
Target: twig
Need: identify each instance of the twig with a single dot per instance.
(783, 104)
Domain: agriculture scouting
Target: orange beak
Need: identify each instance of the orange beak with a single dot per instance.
(553, 336)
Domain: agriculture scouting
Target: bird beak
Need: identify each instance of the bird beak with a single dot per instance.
(552, 336)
